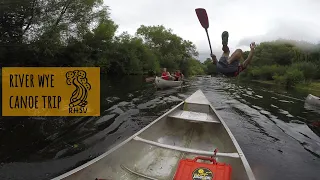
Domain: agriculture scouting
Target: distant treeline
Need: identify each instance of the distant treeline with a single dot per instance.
(81, 33)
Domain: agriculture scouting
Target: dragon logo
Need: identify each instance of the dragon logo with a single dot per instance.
(78, 78)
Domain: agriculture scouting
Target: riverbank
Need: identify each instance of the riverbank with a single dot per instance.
(311, 88)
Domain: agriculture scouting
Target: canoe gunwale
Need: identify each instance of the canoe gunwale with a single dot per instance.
(240, 152)
(116, 147)
(202, 100)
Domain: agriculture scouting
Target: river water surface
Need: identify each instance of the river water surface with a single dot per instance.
(273, 127)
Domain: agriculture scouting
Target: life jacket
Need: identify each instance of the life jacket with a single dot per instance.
(178, 74)
(165, 76)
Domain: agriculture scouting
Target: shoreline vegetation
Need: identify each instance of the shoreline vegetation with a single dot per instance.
(81, 33)
(290, 64)
(311, 87)
(286, 63)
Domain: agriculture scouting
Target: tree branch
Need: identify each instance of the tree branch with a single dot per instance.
(32, 16)
(62, 13)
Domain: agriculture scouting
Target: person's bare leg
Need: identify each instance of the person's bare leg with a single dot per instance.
(248, 60)
(237, 55)
(225, 50)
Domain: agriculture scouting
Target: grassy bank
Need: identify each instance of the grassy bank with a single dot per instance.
(311, 88)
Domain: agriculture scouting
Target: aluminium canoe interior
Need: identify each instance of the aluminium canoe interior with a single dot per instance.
(154, 152)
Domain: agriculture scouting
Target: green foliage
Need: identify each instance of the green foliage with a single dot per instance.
(291, 78)
(210, 68)
(286, 62)
(265, 72)
(196, 67)
(294, 76)
(268, 53)
(81, 33)
(171, 50)
(317, 75)
(309, 69)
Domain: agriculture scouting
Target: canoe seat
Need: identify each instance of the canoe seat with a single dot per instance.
(188, 150)
(194, 116)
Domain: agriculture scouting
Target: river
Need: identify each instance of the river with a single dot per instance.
(272, 126)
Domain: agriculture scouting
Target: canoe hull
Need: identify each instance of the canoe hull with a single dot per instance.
(161, 83)
(313, 100)
(161, 163)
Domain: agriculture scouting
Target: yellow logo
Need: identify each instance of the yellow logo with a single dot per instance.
(202, 174)
(63, 91)
(78, 99)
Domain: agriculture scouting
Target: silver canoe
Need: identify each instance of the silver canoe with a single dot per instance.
(192, 128)
(161, 83)
(313, 100)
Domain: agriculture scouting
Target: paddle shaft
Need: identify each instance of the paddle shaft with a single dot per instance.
(209, 40)
(204, 21)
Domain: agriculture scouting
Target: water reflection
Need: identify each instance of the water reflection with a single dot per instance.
(273, 127)
(273, 123)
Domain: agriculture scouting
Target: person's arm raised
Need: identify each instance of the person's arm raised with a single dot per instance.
(248, 60)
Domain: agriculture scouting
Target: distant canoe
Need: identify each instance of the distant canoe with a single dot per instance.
(313, 100)
(161, 83)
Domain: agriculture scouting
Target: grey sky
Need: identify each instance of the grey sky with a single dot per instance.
(246, 20)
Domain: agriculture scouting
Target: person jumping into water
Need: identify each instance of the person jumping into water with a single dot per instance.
(230, 66)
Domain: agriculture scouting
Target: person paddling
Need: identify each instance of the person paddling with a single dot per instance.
(231, 66)
(178, 75)
(166, 75)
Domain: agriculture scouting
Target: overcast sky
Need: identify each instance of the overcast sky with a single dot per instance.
(245, 20)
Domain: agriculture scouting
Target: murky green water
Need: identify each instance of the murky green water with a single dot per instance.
(272, 126)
